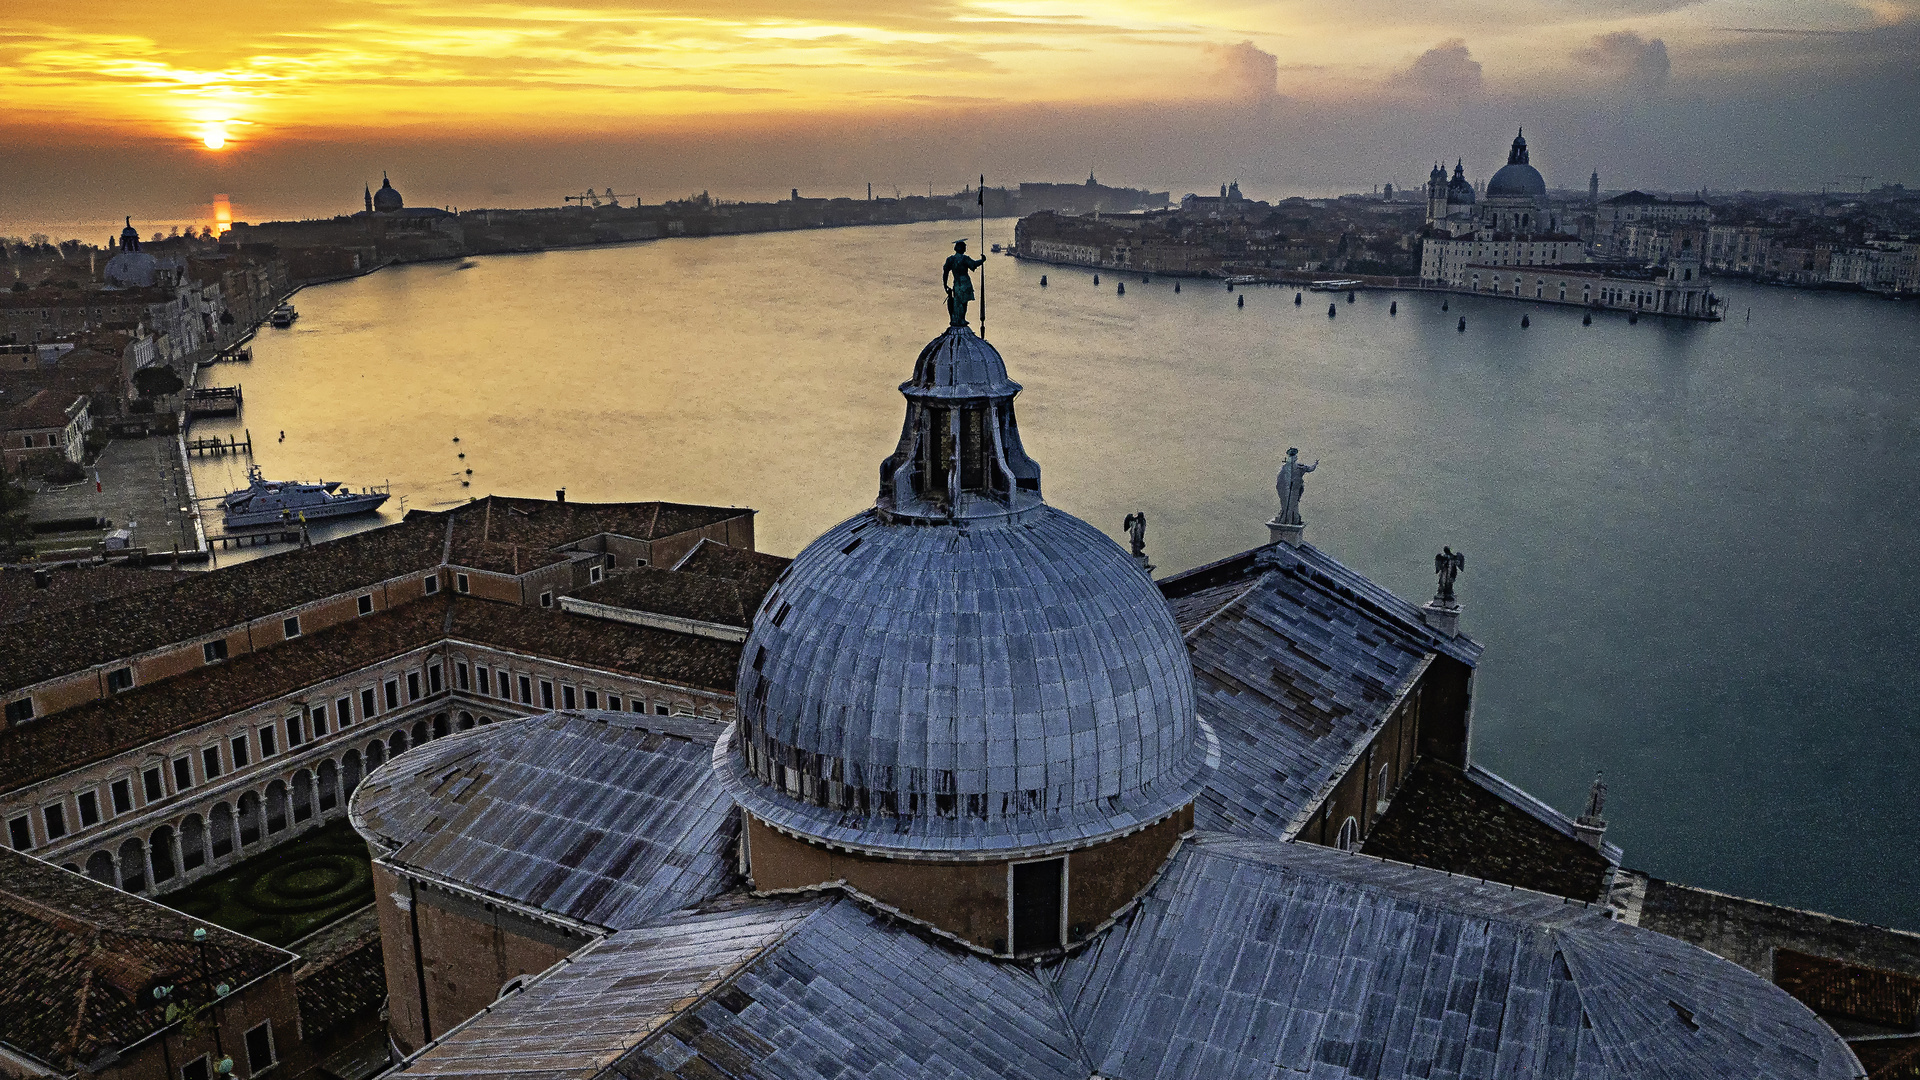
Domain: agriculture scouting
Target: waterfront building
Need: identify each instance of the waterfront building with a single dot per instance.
(1612, 216)
(993, 802)
(53, 422)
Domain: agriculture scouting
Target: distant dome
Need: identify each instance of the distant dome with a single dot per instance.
(963, 675)
(1460, 189)
(1517, 179)
(386, 200)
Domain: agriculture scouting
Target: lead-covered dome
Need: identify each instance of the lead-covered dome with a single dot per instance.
(1517, 178)
(387, 200)
(963, 670)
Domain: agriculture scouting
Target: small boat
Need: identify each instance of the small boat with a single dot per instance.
(1336, 285)
(1243, 279)
(283, 316)
(274, 502)
(995, 249)
(466, 264)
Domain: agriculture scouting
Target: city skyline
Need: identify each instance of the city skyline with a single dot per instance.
(513, 107)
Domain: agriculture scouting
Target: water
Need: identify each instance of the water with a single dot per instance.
(1690, 547)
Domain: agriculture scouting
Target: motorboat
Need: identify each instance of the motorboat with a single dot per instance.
(283, 316)
(277, 502)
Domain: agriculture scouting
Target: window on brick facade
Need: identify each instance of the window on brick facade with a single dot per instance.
(460, 678)
(19, 712)
(593, 699)
(526, 690)
(546, 599)
(483, 680)
(434, 678)
(546, 694)
(366, 704)
(260, 1056)
(392, 688)
(239, 747)
(20, 833)
(267, 742)
(432, 584)
(594, 574)
(156, 789)
(319, 720)
(210, 761)
(291, 626)
(342, 712)
(566, 697)
(197, 1069)
(294, 735)
(460, 583)
(55, 819)
(122, 794)
(613, 702)
(413, 686)
(89, 808)
(366, 604)
(182, 773)
(119, 679)
(660, 708)
(214, 651)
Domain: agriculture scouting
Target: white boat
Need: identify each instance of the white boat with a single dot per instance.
(275, 502)
(283, 316)
(1337, 285)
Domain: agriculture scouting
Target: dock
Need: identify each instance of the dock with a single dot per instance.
(213, 446)
(213, 401)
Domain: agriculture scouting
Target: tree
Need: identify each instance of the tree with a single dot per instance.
(159, 380)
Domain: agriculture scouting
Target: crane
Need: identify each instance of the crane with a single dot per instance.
(592, 198)
(1863, 181)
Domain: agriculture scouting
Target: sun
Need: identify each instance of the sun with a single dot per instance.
(214, 136)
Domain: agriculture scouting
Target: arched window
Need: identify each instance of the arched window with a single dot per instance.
(193, 842)
(302, 795)
(100, 868)
(329, 785)
(276, 806)
(222, 829)
(250, 818)
(397, 745)
(350, 772)
(466, 721)
(1349, 838)
(376, 754)
(439, 725)
(133, 865)
(160, 847)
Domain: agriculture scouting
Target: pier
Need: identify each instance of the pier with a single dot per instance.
(213, 401)
(214, 447)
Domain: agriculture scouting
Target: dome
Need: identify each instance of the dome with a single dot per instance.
(132, 270)
(386, 200)
(968, 676)
(1517, 178)
(1516, 181)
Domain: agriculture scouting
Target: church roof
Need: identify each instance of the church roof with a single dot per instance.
(1246, 959)
(1297, 660)
(606, 818)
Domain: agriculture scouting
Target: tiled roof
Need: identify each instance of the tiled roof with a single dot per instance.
(507, 535)
(70, 587)
(1260, 958)
(677, 593)
(633, 650)
(1296, 660)
(71, 738)
(607, 818)
(1007, 684)
(796, 990)
(44, 646)
(612, 995)
(1442, 819)
(341, 974)
(753, 569)
(78, 960)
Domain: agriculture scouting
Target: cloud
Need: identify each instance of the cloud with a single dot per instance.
(1892, 12)
(1628, 60)
(1245, 70)
(1447, 68)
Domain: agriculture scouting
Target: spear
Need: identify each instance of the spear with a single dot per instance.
(981, 196)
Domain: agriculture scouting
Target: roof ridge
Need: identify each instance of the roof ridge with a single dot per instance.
(1255, 583)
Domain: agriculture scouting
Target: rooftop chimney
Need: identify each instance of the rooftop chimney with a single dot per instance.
(42, 579)
(560, 495)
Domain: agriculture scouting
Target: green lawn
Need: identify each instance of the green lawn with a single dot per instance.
(286, 892)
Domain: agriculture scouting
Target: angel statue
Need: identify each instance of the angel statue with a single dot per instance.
(1448, 565)
(1136, 526)
(1290, 485)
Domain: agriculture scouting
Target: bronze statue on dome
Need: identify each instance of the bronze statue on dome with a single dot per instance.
(960, 288)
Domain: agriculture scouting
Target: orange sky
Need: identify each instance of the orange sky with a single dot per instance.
(266, 76)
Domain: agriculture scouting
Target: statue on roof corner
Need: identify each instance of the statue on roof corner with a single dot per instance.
(960, 288)
(1291, 484)
(1448, 565)
(1136, 526)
